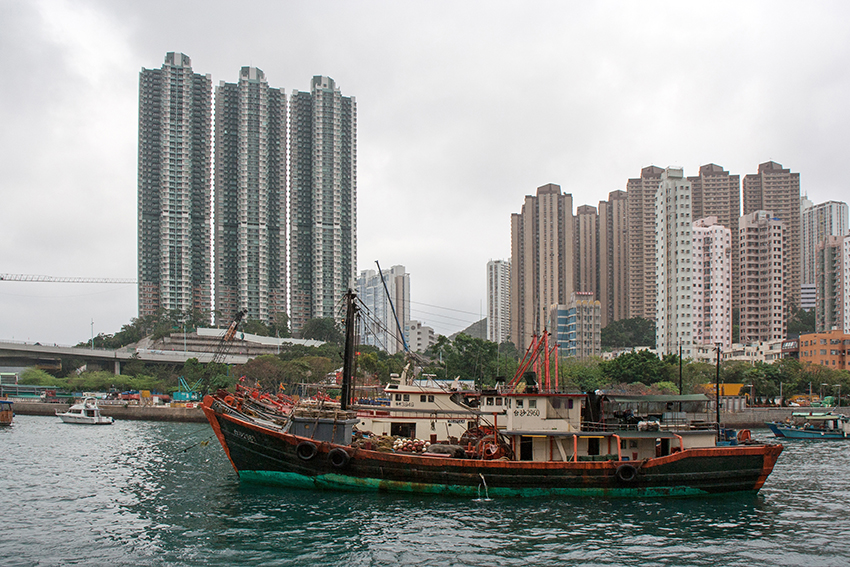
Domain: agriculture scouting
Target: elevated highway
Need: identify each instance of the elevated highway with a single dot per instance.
(36, 353)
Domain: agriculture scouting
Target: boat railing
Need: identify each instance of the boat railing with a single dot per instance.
(649, 425)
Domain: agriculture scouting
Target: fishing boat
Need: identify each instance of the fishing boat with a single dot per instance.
(6, 412)
(85, 412)
(538, 446)
(812, 425)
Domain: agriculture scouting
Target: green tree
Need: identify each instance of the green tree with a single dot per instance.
(801, 322)
(641, 366)
(36, 377)
(627, 333)
(322, 329)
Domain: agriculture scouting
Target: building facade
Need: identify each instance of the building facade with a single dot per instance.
(323, 200)
(717, 194)
(641, 193)
(577, 326)
(828, 285)
(587, 250)
(825, 349)
(819, 222)
(387, 313)
(498, 301)
(250, 198)
(422, 337)
(764, 289)
(712, 283)
(674, 265)
(174, 188)
(777, 190)
(613, 257)
(542, 260)
(845, 284)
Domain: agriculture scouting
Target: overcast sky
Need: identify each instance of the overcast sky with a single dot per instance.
(463, 109)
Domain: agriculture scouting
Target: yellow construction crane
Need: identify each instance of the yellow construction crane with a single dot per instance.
(51, 279)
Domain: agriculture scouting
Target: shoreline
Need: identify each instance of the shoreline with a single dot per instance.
(118, 412)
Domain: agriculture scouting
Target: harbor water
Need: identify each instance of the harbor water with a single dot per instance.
(159, 493)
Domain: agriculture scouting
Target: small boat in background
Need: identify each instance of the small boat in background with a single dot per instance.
(85, 412)
(6, 413)
(813, 425)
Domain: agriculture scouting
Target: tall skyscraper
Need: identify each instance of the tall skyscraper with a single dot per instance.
(673, 265)
(498, 301)
(174, 188)
(613, 257)
(764, 287)
(323, 200)
(819, 222)
(712, 283)
(542, 260)
(250, 198)
(828, 272)
(718, 194)
(777, 190)
(587, 250)
(845, 283)
(381, 329)
(641, 219)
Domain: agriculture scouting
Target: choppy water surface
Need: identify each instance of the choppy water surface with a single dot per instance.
(143, 493)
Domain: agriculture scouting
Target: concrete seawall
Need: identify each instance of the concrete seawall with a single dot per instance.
(141, 413)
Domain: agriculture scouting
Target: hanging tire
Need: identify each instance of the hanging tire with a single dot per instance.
(626, 474)
(306, 450)
(339, 458)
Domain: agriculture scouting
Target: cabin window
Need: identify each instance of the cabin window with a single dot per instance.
(632, 444)
(556, 403)
(623, 444)
(498, 401)
(406, 397)
(593, 446)
(489, 401)
(398, 397)
(431, 398)
(423, 398)
(570, 404)
(532, 404)
(519, 403)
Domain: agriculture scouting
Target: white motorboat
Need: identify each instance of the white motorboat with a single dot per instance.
(85, 412)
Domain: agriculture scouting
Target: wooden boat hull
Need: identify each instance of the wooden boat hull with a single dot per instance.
(266, 455)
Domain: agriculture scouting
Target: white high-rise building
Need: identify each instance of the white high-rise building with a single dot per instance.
(323, 201)
(175, 186)
(250, 198)
(712, 283)
(381, 328)
(673, 265)
(498, 301)
(819, 222)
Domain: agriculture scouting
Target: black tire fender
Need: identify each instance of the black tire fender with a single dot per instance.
(306, 450)
(339, 458)
(626, 474)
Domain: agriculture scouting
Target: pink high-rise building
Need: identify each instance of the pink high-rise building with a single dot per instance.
(712, 283)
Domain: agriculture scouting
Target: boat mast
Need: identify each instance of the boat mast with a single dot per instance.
(348, 356)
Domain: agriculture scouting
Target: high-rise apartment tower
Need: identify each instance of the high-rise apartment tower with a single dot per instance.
(323, 200)
(542, 260)
(673, 265)
(250, 198)
(641, 220)
(498, 301)
(174, 188)
(764, 287)
(777, 190)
